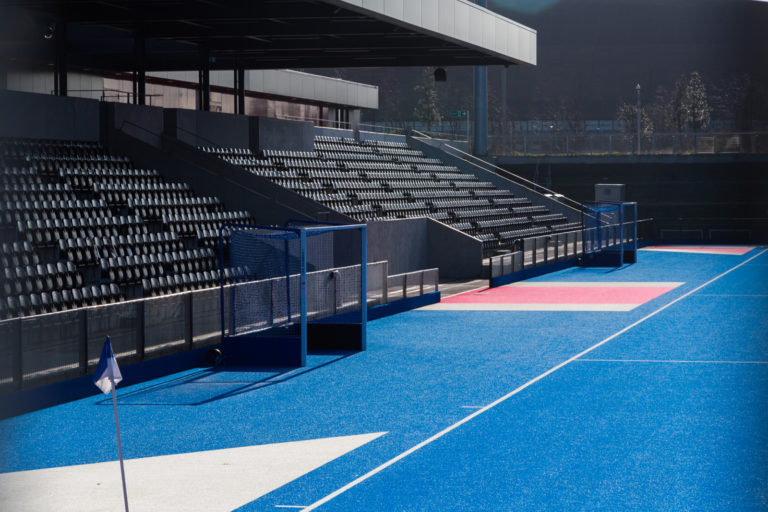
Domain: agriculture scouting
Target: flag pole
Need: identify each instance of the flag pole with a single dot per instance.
(119, 444)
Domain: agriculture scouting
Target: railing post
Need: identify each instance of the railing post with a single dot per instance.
(84, 341)
(188, 320)
(18, 373)
(141, 337)
(421, 286)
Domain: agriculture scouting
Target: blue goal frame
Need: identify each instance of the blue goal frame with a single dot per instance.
(343, 331)
(609, 233)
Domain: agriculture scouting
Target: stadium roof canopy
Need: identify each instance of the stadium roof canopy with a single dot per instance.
(263, 34)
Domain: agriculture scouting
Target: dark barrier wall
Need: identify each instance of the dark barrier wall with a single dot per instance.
(268, 133)
(40, 116)
(198, 128)
(698, 197)
(414, 244)
(139, 121)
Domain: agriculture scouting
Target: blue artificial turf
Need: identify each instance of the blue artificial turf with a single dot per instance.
(593, 435)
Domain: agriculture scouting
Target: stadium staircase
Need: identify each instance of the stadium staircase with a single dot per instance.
(380, 180)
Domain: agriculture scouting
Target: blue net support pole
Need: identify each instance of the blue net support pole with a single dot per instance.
(303, 294)
(364, 289)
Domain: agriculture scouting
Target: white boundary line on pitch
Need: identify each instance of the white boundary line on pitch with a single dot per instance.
(668, 361)
(512, 393)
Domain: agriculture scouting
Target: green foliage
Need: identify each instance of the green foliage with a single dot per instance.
(628, 113)
(689, 107)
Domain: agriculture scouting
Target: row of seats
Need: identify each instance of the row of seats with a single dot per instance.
(374, 179)
(18, 254)
(58, 300)
(38, 278)
(177, 283)
(99, 217)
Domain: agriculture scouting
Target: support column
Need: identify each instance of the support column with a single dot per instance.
(140, 68)
(60, 61)
(239, 91)
(204, 81)
(504, 122)
(480, 135)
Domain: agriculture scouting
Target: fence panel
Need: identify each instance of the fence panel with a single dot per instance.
(51, 345)
(165, 323)
(122, 323)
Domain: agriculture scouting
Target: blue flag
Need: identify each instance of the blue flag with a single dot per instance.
(107, 373)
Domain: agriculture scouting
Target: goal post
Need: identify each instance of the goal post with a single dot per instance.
(285, 290)
(609, 233)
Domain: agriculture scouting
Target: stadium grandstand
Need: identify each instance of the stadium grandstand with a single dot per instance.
(176, 181)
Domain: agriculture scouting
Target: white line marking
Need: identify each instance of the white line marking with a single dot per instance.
(671, 361)
(595, 284)
(290, 506)
(509, 395)
(490, 306)
(732, 295)
(472, 406)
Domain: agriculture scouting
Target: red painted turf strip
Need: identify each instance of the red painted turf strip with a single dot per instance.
(560, 295)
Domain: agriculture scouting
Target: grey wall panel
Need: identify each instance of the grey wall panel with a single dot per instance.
(269, 133)
(414, 244)
(48, 117)
(198, 128)
(456, 254)
(403, 243)
(144, 123)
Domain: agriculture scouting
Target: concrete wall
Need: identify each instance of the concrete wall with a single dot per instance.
(199, 128)
(268, 133)
(43, 116)
(139, 121)
(414, 244)
(716, 197)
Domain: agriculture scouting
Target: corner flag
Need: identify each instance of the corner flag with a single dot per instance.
(107, 373)
(106, 377)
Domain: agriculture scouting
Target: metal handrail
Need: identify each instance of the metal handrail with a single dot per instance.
(573, 204)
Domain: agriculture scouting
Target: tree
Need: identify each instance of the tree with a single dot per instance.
(426, 110)
(628, 113)
(689, 106)
(698, 106)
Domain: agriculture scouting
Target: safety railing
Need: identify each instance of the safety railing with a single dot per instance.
(618, 144)
(53, 347)
(412, 284)
(545, 249)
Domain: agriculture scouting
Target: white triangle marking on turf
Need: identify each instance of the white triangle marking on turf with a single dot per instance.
(209, 480)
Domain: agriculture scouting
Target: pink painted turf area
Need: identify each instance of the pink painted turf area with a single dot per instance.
(561, 295)
(705, 249)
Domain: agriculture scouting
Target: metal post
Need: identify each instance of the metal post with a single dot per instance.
(364, 289)
(60, 62)
(188, 319)
(204, 80)
(637, 88)
(84, 342)
(18, 366)
(140, 330)
(140, 73)
(303, 295)
(240, 90)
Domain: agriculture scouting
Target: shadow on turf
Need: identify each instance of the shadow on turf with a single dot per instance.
(212, 384)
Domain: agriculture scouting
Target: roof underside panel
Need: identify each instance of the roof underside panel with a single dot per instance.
(265, 34)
